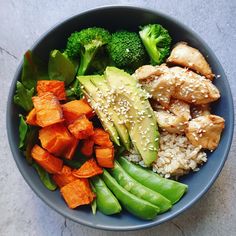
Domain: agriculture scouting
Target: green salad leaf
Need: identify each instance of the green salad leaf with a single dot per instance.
(34, 69)
(31, 139)
(45, 177)
(60, 67)
(73, 163)
(23, 129)
(23, 96)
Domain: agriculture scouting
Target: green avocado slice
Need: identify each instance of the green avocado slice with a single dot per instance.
(101, 83)
(140, 120)
(92, 93)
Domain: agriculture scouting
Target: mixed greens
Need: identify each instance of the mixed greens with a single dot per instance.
(84, 98)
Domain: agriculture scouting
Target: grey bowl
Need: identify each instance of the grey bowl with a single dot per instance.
(130, 18)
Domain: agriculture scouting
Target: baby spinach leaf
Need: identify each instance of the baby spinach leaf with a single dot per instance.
(31, 140)
(34, 69)
(60, 67)
(23, 129)
(23, 96)
(73, 163)
(45, 177)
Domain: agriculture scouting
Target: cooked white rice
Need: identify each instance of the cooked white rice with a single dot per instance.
(176, 156)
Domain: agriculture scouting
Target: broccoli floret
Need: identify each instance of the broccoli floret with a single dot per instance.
(126, 50)
(156, 40)
(73, 46)
(85, 44)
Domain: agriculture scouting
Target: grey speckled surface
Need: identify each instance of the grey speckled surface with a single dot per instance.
(22, 22)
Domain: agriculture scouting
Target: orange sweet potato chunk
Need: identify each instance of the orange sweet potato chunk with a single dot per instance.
(81, 128)
(64, 177)
(31, 118)
(74, 109)
(48, 109)
(70, 150)
(101, 138)
(87, 147)
(77, 193)
(54, 86)
(105, 156)
(57, 140)
(47, 161)
(89, 169)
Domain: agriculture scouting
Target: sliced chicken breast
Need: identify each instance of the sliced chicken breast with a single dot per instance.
(171, 123)
(180, 108)
(184, 55)
(193, 88)
(179, 83)
(205, 131)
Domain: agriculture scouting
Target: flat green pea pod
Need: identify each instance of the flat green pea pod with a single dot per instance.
(138, 189)
(136, 206)
(170, 189)
(106, 201)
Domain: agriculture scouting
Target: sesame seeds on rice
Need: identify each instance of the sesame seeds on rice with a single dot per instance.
(176, 156)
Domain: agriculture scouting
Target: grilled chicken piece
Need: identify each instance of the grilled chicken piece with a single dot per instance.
(200, 110)
(170, 123)
(190, 57)
(205, 131)
(154, 80)
(178, 83)
(180, 108)
(147, 73)
(193, 88)
(161, 89)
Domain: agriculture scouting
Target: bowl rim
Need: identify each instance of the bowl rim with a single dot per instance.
(145, 224)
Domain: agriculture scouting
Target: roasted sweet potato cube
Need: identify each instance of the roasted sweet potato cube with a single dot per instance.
(48, 109)
(64, 177)
(89, 169)
(74, 109)
(81, 128)
(87, 147)
(31, 118)
(47, 161)
(101, 138)
(58, 140)
(77, 193)
(71, 148)
(105, 156)
(54, 86)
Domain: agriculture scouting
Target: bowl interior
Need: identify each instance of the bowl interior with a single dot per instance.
(130, 18)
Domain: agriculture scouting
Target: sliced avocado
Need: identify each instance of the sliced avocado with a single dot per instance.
(92, 93)
(101, 83)
(141, 124)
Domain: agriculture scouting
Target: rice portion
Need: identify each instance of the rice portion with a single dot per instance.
(176, 156)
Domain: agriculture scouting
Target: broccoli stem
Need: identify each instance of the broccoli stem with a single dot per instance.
(152, 51)
(86, 58)
(85, 61)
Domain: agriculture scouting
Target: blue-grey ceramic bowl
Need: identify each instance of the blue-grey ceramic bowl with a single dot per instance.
(130, 18)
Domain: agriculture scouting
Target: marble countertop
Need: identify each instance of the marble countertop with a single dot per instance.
(22, 213)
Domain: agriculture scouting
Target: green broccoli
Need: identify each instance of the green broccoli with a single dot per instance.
(126, 50)
(73, 46)
(156, 40)
(84, 45)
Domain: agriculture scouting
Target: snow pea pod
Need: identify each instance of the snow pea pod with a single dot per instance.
(138, 189)
(170, 189)
(136, 206)
(106, 201)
